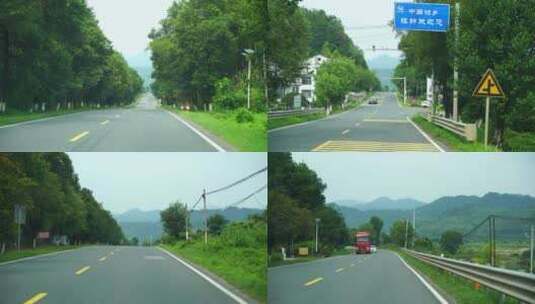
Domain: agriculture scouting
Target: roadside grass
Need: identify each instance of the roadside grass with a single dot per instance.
(453, 141)
(274, 123)
(461, 290)
(16, 116)
(12, 255)
(239, 256)
(246, 137)
(276, 259)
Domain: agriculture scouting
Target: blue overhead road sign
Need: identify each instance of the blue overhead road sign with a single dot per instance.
(429, 17)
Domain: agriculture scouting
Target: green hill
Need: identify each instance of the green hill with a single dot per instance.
(461, 213)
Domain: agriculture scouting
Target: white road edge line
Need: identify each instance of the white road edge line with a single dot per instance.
(208, 140)
(37, 257)
(427, 285)
(202, 275)
(29, 122)
(425, 135)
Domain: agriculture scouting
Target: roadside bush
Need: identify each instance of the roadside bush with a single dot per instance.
(423, 244)
(244, 116)
(519, 142)
(231, 95)
(326, 250)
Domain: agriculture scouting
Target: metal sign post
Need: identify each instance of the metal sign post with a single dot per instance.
(488, 87)
(20, 218)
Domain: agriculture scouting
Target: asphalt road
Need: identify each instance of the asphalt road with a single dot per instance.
(116, 275)
(380, 278)
(142, 128)
(371, 128)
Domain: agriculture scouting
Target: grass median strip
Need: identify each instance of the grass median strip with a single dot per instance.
(316, 280)
(38, 297)
(82, 270)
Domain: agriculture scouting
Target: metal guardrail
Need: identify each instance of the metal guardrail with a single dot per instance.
(280, 114)
(468, 131)
(516, 284)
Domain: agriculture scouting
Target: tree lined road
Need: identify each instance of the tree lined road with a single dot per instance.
(380, 278)
(103, 274)
(371, 128)
(143, 128)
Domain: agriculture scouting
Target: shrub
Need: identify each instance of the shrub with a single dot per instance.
(519, 142)
(244, 116)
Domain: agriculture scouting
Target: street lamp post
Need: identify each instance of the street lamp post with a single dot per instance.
(317, 230)
(248, 54)
(404, 87)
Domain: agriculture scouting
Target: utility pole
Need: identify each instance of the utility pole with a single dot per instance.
(317, 230)
(456, 64)
(413, 225)
(187, 220)
(532, 241)
(248, 53)
(205, 217)
(18, 237)
(406, 232)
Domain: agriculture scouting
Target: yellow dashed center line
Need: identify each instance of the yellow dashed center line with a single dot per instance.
(316, 280)
(339, 269)
(102, 259)
(79, 136)
(105, 122)
(38, 297)
(86, 268)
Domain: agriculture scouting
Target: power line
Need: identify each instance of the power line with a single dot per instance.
(243, 200)
(237, 182)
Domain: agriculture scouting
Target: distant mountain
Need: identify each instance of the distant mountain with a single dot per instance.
(383, 62)
(139, 60)
(382, 203)
(144, 224)
(460, 213)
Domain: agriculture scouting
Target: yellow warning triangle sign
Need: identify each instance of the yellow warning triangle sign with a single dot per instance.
(489, 86)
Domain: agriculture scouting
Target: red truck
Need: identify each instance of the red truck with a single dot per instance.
(362, 243)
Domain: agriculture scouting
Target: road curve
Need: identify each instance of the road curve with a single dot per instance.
(143, 128)
(380, 278)
(102, 274)
(371, 128)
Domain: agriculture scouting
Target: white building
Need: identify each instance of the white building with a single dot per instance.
(305, 85)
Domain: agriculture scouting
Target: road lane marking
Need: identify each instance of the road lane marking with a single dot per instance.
(38, 297)
(208, 140)
(395, 121)
(105, 122)
(371, 146)
(345, 132)
(79, 136)
(357, 124)
(112, 253)
(427, 285)
(207, 278)
(352, 265)
(340, 269)
(316, 280)
(102, 259)
(426, 136)
(86, 268)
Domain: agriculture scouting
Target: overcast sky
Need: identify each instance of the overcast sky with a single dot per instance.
(363, 13)
(127, 23)
(150, 181)
(422, 176)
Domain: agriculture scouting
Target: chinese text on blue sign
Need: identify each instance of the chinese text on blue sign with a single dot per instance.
(422, 17)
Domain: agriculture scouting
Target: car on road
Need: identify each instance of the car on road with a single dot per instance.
(373, 101)
(373, 249)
